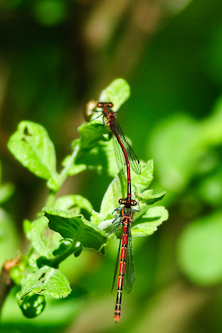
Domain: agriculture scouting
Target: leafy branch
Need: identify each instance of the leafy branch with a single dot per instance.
(70, 230)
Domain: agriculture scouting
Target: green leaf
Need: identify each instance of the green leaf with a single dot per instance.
(90, 133)
(66, 245)
(16, 273)
(47, 281)
(31, 146)
(148, 198)
(76, 202)
(142, 181)
(32, 305)
(73, 168)
(93, 146)
(35, 232)
(200, 250)
(76, 227)
(145, 221)
(63, 247)
(94, 150)
(6, 190)
(115, 191)
(96, 218)
(148, 223)
(100, 158)
(117, 92)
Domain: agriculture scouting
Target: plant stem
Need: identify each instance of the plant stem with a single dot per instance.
(58, 259)
(63, 175)
(51, 198)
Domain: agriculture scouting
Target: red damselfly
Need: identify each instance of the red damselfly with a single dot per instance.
(125, 155)
(124, 258)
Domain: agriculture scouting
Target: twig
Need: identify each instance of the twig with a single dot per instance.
(6, 283)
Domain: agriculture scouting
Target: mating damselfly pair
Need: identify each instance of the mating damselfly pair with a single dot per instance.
(125, 158)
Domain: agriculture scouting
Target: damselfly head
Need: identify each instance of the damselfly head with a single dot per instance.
(105, 105)
(127, 203)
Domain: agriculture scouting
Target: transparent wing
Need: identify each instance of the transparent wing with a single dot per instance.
(117, 265)
(129, 268)
(134, 162)
(120, 159)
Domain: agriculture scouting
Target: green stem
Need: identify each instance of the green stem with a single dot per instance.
(51, 198)
(58, 259)
(63, 175)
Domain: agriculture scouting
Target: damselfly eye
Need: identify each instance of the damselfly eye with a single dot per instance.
(104, 104)
(122, 201)
(100, 104)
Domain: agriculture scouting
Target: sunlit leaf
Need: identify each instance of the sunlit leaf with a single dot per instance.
(148, 197)
(146, 219)
(47, 281)
(36, 233)
(148, 223)
(115, 191)
(32, 147)
(90, 133)
(94, 150)
(142, 181)
(117, 92)
(76, 227)
(73, 202)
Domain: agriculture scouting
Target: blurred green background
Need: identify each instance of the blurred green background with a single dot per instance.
(55, 55)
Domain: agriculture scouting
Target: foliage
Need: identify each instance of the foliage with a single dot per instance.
(66, 216)
(57, 54)
(199, 243)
